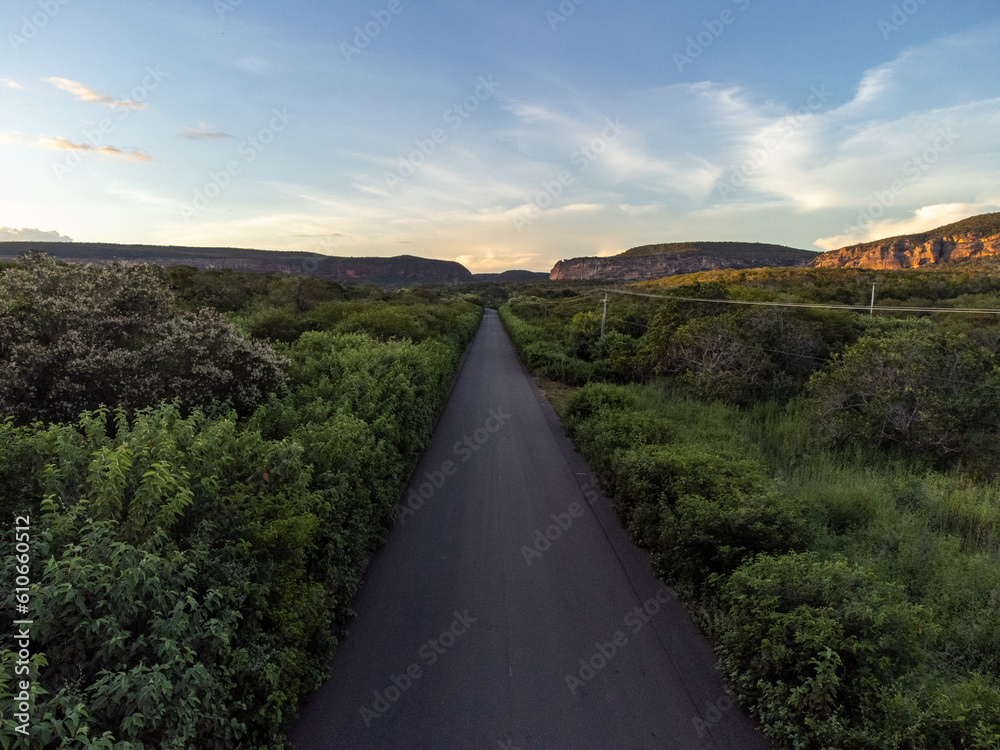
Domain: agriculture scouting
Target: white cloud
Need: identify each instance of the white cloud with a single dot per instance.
(58, 143)
(7, 234)
(921, 220)
(205, 132)
(9, 84)
(64, 144)
(917, 137)
(83, 94)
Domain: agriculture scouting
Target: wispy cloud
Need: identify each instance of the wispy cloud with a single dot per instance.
(58, 143)
(83, 94)
(64, 144)
(9, 84)
(203, 132)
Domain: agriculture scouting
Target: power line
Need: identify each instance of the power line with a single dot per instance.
(861, 308)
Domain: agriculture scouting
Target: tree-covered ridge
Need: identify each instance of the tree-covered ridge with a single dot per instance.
(944, 286)
(398, 271)
(983, 225)
(722, 250)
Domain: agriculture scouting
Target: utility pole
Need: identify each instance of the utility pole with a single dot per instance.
(604, 317)
(872, 311)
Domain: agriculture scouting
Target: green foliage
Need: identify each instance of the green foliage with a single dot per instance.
(540, 354)
(615, 357)
(73, 338)
(783, 478)
(817, 647)
(583, 332)
(733, 250)
(929, 393)
(191, 566)
(701, 513)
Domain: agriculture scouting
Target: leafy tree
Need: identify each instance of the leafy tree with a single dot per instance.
(75, 337)
(926, 392)
(583, 332)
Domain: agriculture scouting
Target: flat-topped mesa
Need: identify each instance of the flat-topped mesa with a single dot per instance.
(977, 238)
(402, 270)
(657, 261)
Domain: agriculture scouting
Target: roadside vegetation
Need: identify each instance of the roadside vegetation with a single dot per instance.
(207, 461)
(819, 485)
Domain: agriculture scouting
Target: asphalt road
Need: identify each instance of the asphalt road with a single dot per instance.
(509, 609)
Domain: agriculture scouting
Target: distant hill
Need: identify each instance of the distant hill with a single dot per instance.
(967, 242)
(657, 261)
(511, 277)
(402, 270)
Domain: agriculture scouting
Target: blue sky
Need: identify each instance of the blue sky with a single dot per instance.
(502, 135)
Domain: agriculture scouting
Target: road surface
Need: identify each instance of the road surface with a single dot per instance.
(508, 608)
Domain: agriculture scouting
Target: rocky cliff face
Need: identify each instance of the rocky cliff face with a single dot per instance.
(648, 267)
(913, 252)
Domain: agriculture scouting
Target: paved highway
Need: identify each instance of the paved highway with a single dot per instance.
(509, 609)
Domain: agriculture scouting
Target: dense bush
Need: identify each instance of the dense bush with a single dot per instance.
(541, 355)
(191, 568)
(818, 647)
(75, 337)
(929, 393)
(853, 597)
(753, 354)
(898, 651)
(700, 513)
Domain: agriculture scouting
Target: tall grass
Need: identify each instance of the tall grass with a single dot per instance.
(937, 535)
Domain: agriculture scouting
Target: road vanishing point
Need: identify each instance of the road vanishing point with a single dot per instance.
(509, 609)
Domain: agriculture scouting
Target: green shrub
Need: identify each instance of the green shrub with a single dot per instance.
(816, 648)
(615, 358)
(73, 338)
(927, 393)
(595, 397)
(702, 514)
(540, 355)
(191, 567)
